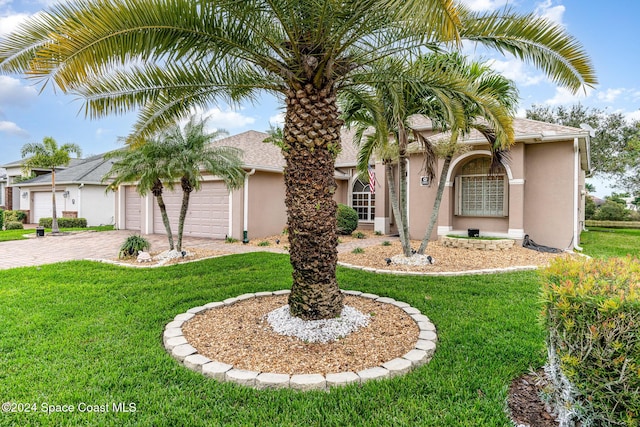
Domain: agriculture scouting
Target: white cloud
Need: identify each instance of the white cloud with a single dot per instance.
(10, 22)
(609, 95)
(546, 9)
(227, 119)
(277, 120)
(633, 116)
(565, 96)
(517, 71)
(484, 5)
(12, 129)
(14, 93)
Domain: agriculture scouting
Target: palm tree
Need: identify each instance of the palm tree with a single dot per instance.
(502, 95)
(168, 57)
(147, 166)
(48, 155)
(190, 152)
(429, 86)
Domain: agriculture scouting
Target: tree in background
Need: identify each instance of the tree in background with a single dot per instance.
(48, 155)
(169, 57)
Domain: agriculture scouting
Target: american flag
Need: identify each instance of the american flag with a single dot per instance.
(372, 180)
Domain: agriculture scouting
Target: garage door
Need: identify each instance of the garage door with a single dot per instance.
(43, 206)
(132, 208)
(208, 214)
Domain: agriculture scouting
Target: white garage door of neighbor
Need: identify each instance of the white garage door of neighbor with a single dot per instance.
(132, 204)
(43, 205)
(208, 214)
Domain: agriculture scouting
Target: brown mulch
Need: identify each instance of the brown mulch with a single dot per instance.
(525, 404)
(239, 335)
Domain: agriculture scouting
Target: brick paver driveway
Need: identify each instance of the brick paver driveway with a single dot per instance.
(93, 245)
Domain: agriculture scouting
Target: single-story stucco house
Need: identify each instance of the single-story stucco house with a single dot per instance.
(79, 192)
(540, 192)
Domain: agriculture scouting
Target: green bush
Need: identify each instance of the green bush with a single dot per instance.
(612, 211)
(15, 216)
(14, 225)
(347, 219)
(592, 315)
(64, 222)
(133, 246)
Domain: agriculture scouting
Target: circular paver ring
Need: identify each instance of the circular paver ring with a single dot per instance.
(178, 346)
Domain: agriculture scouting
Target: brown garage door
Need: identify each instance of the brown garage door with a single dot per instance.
(131, 208)
(208, 214)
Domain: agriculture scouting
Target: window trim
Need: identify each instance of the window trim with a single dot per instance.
(370, 207)
(458, 193)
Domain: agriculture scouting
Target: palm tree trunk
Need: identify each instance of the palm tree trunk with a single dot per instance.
(402, 179)
(157, 192)
(436, 205)
(395, 207)
(54, 215)
(187, 188)
(311, 143)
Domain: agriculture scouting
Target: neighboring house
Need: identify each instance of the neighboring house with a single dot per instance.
(79, 192)
(3, 188)
(15, 174)
(539, 192)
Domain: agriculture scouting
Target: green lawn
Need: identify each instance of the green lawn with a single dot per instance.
(91, 333)
(6, 235)
(610, 242)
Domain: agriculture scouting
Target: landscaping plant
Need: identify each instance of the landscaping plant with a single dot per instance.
(14, 225)
(133, 246)
(64, 222)
(347, 219)
(592, 315)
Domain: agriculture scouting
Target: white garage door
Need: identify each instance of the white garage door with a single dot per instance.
(43, 205)
(208, 214)
(131, 208)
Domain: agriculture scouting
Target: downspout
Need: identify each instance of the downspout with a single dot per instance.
(576, 195)
(245, 232)
(79, 201)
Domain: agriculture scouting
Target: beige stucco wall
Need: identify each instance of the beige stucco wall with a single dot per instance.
(549, 193)
(267, 211)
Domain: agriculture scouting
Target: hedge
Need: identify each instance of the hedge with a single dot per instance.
(64, 222)
(18, 216)
(592, 315)
(14, 225)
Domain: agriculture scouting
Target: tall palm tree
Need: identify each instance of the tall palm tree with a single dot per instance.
(190, 152)
(168, 56)
(147, 166)
(48, 155)
(502, 95)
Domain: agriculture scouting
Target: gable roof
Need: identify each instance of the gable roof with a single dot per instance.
(84, 171)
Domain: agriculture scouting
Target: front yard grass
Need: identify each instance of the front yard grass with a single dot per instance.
(7, 235)
(83, 332)
(610, 242)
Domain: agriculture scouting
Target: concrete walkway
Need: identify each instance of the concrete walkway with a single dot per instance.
(106, 244)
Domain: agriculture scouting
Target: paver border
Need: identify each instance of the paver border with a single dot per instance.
(179, 348)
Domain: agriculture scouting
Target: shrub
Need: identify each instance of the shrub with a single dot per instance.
(360, 235)
(1, 218)
(133, 246)
(386, 243)
(64, 222)
(230, 239)
(347, 219)
(14, 225)
(15, 216)
(264, 243)
(357, 251)
(592, 315)
(612, 211)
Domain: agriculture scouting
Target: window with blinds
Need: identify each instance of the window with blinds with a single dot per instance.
(363, 201)
(478, 193)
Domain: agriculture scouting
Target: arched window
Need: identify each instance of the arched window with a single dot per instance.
(478, 193)
(363, 201)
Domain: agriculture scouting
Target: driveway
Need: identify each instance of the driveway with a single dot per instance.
(94, 245)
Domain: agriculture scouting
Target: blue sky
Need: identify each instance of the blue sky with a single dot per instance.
(607, 30)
